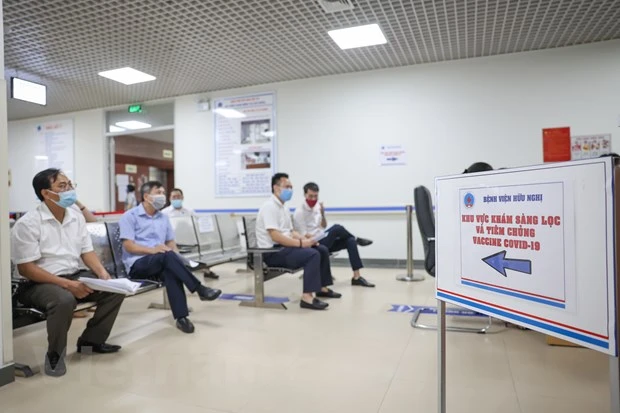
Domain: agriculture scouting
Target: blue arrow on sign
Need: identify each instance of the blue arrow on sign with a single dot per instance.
(500, 263)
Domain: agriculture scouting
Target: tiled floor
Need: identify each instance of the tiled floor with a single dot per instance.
(356, 357)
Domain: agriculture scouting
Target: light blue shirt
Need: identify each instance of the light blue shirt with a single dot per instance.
(145, 230)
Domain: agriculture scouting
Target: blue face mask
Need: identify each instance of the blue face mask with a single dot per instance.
(286, 194)
(177, 203)
(67, 198)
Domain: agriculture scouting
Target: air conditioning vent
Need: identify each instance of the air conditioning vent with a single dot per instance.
(333, 6)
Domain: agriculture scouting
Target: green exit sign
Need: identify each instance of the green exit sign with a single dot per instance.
(135, 109)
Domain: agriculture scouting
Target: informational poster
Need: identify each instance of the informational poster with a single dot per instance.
(533, 246)
(392, 155)
(245, 133)
(54, 146)
(513, 241)
(556, 145)
(590, 146)
(122, 181)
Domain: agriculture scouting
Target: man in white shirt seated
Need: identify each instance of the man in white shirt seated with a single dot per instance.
(274, 228)
(176, 208)
(46, 245)
(310, 222)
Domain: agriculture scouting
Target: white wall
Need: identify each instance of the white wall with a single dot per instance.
(6, 324)
(448, 115)
(89, 160)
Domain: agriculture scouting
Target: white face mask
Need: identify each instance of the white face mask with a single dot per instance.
(158, 201)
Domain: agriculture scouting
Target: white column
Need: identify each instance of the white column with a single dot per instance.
(6, 332)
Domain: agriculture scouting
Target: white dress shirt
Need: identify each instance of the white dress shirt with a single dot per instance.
(272, 215)
(56, 247)
(181, 212)
(308, 220)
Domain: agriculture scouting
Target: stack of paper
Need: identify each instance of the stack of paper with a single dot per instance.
(320, 236)
(117, 286)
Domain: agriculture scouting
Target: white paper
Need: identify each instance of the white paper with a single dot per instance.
(188, 262)
(122, 181)
(118, 285)
(54, 146)
(392, 155)
(205, 224)
(320, 236)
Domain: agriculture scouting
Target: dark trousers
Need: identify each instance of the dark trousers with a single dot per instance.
(338, 238)
(315, 261)
(59, 304)
(169, 268)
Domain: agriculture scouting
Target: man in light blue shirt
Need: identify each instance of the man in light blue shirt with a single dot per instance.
(149, 251)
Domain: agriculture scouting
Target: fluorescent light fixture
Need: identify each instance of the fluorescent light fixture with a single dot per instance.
(133, 124)
(28, 91)
(359, 36)
(127, 75)
(229, 113)
(114, 128)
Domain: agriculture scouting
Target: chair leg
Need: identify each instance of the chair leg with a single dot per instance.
(259, 288)
(24, 370)
(416, 324)
(165, 305)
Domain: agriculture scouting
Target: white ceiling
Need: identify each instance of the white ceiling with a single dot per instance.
(196, 46)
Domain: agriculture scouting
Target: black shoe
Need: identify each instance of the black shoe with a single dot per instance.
(208, 294)
(185, 325)
(363, 242)
(211, 274)
(316, 304)
(55, 364)
(103, 348)
(328, 294)
(361, 282)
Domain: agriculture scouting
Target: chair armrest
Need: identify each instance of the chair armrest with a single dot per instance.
(262, 250)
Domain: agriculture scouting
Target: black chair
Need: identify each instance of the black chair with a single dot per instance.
(426, 222)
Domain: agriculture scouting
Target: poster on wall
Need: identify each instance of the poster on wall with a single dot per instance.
(590, 146)
(392, 155)
(54, 146)
(556, 145)
(245, 133)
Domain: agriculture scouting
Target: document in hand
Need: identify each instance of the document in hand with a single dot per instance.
(188, 262)
(118, 286)
(319, 237)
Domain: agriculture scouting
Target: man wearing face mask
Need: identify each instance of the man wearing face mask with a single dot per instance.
(149, 251)
(46, 245)
(176, 208)
(274, 228)
(310, 222)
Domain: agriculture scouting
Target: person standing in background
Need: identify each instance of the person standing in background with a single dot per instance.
(130, 202)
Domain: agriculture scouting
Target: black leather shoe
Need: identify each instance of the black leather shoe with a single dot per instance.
(361, 282)
(103, 348)
(208, 294)
(316, 304)
(328, 294)
(185, 325)
(363, 242)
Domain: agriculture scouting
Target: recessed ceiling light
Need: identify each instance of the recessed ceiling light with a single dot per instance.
(28, 91)
(359, 36)
(229, 113)
(127, 75)
(133, 124)
(116, 129)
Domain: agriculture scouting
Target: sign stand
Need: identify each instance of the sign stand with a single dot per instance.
(501, 221)
(614, 383)
(441, 356)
